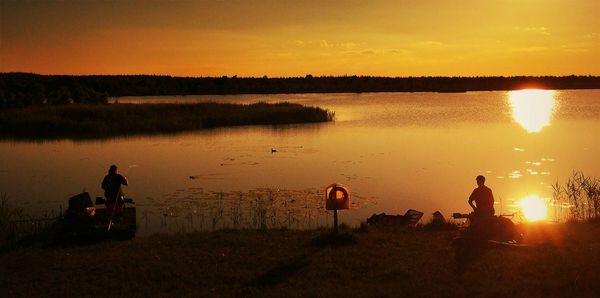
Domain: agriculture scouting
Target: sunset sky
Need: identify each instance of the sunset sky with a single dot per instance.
(295, 38)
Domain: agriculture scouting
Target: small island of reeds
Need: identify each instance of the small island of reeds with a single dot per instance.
(97, 121)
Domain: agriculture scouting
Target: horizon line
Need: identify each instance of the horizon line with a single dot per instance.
(304, 76)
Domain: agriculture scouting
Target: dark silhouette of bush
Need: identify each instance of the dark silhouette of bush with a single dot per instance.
(60, 95)
(23, 89)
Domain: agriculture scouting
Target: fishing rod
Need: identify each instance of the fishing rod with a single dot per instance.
(119, 196)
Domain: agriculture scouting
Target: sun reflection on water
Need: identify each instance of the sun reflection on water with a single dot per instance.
(532, 108)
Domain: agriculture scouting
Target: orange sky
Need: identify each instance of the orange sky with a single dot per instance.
(294, 38)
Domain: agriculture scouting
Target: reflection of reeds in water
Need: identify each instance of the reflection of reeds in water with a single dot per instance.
(262, 209)
(580, 195)
(236, 213)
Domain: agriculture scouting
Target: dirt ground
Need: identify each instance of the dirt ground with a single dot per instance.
(561, 260)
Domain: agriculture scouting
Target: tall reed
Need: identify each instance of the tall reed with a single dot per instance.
(580, 194)
(8, 214)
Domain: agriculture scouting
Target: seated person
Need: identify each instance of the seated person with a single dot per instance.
(482, 219)
(483, 198)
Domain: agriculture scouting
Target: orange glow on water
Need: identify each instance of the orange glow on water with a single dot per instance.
(532, 108)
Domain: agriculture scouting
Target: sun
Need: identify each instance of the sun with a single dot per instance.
(534, 208)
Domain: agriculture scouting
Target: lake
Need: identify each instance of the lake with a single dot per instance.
(394, 151)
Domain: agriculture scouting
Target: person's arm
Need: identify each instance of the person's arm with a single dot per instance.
(471, 199)
(124, 180)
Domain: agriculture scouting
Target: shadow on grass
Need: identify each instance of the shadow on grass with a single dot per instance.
(467, 252)
(283, 271)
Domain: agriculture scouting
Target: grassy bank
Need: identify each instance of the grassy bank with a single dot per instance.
(382, 262)
(91, 121)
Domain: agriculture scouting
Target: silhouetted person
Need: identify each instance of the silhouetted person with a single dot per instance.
(484, 199)
(112, 190)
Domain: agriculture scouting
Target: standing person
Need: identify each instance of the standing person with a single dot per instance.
(112, 190)
(484, 199)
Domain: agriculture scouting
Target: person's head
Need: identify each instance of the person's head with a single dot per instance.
(112, 169)
(480, 180)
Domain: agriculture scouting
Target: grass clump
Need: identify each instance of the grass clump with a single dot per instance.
(330, 238)
(8, 213)
(362, 228)
(93, 121)
(18, 229)
(439, 225)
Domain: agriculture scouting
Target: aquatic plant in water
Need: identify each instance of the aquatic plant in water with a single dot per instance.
(261, 209)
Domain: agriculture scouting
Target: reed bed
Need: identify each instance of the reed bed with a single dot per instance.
(18, 227)
(8, 213)
(580, 195)
(94, 121)
(258, 209)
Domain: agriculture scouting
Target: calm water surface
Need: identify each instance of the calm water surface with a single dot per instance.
(393, 150)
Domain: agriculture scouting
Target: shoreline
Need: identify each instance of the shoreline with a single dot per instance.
(19, 89)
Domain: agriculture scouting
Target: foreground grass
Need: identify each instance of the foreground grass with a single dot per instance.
(381, 262)
(90, 121)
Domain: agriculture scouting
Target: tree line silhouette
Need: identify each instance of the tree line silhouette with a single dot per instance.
(26, 89)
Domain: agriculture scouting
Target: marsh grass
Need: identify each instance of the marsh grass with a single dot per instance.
(259, 209)
(97, 121)
(580, 195)
(363, 227)
(8, 213)
(438, 225)
(20, 229)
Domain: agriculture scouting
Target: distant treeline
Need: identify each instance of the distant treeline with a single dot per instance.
(25, 89)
